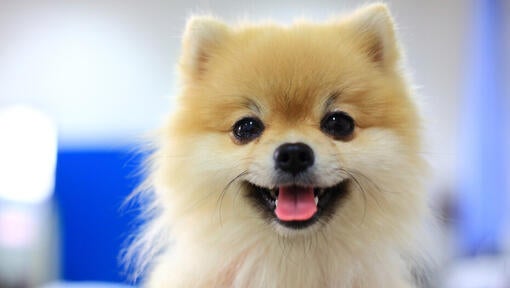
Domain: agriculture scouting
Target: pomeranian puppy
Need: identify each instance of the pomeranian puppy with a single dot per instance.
(291, 160)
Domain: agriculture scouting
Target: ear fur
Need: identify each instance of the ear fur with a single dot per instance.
(375, 29)
(202, 37)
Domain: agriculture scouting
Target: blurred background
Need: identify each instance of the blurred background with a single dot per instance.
(81, 82)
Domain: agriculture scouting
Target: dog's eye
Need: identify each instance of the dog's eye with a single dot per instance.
(337, 124)
(247, 129)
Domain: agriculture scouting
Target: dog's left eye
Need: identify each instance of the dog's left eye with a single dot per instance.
(247, 129)
(338, 125)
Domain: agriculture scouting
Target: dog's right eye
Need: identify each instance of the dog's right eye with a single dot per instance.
(247, 129)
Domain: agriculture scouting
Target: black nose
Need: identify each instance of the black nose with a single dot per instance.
(293, 157)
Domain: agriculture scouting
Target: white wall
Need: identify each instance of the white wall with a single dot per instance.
(105, 69)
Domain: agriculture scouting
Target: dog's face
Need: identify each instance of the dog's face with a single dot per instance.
(299, 126)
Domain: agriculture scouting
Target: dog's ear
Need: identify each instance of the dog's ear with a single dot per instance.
(374, 31)
(202, 39)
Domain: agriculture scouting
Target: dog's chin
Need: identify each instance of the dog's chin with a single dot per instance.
(327, 201)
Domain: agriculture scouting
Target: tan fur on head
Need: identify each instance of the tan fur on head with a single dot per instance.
(208, 234)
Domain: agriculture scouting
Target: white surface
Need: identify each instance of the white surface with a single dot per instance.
(481, 272)
(28, 153)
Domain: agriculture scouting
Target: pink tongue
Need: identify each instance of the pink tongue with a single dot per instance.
(295, 204)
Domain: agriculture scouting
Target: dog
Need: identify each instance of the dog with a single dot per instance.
(292, 159)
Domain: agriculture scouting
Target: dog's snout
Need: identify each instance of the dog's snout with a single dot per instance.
(293, 157)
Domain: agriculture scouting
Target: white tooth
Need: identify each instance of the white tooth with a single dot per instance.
(276, 202)
(316, 200)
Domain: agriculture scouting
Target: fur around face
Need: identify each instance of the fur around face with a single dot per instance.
(203, 231)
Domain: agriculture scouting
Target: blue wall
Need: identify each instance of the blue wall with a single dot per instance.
(90, 189)
(483, 180)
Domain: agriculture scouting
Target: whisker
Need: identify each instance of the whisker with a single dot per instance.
(362, 190)
(366, 178)
(371, 182)
(224, 191)
(211, 192)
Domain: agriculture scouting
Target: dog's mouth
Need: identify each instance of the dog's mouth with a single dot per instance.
(298, 207)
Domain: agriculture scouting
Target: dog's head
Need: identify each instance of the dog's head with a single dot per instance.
(300, 127)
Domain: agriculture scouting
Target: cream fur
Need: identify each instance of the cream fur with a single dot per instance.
(204, 233)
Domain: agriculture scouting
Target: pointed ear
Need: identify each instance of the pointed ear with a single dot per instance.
(374, 29)
(202, 37)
